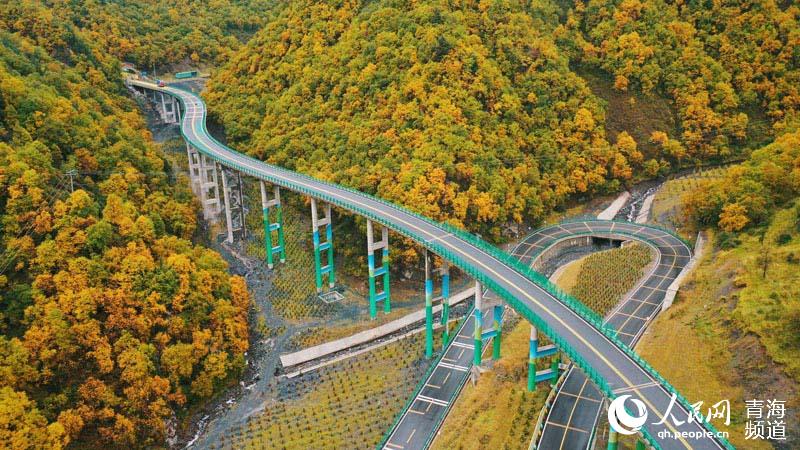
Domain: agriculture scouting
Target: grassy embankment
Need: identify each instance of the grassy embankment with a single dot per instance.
(733, 328)
(498, 411)
(666, 209)
(349, 404)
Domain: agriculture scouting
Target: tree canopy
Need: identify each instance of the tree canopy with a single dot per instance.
(465, 112)
(111, 320)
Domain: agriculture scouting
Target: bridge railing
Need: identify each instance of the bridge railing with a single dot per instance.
(624, 222)
(434, 245)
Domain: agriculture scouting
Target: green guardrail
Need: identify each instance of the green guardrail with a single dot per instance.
(434, 245)
(184, 75)
(623, 222)
(603, 234)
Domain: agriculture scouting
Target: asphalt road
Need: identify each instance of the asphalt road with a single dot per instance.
(592, 349)
(423, 418)
(578, 404)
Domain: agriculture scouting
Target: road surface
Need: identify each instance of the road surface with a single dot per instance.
(609, 363)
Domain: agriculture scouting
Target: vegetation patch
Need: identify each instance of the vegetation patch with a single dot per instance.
(349, 404)
(704, 345)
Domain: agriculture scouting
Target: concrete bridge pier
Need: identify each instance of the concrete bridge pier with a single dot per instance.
(613, 439)
(320, 247)
(269, 226)
(203, 178)
(478, 334)
(430, 300)
(194, 169)
(535, 352)
(169, 108)
(428, 306)
(445, 271)
(383, 271)
(233, 195)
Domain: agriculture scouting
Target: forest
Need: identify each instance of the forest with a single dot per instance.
(111, 320)
(115, 322)
(472, 112)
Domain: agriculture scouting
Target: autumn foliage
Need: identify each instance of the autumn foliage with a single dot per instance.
(749, 193)
(111, 320)
(465, 112)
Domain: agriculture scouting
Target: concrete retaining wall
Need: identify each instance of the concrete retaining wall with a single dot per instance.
(612, 210)
(318, 351)
(644, 213)
(672, 290)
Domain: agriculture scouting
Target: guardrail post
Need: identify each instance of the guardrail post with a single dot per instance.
(478, 334)
(372, 246)
(320, 247)
(428, 307)
(269, 226)
(534, 345)
(445, 302)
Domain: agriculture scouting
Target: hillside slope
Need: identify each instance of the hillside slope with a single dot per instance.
(463, 113)
(112, 321)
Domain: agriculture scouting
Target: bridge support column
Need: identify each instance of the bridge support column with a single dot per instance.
(478, 332)
(555, 366)
(640, 445)
(320, 247)
(497, 319)
(445, 302)
(194, 169)
(372, 247)
(203, 173)
(169, 110)
(428, 306)
(534, 344)
(269, 226)
(535, 352)
(430, 300)
(234, 202)
(613, 439)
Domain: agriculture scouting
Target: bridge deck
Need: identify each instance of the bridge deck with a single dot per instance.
(608, 362)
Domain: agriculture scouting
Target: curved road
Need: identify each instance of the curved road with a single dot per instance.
(573, 416)
(607, 361)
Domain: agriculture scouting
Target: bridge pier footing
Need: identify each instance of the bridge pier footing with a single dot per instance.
(269, 226)
(320, 247)
(372, 247)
